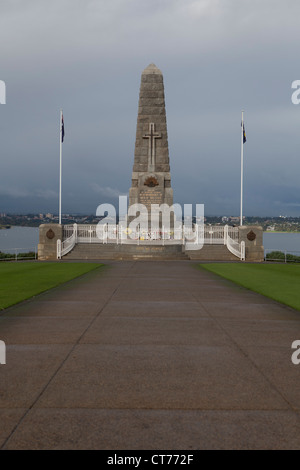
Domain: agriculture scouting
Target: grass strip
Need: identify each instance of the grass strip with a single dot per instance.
(280, 282)
(21, 281)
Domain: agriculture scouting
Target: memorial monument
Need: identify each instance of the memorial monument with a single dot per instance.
(151, 180)
(151, 186)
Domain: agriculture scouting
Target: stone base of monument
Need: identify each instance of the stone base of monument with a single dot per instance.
(252, 236)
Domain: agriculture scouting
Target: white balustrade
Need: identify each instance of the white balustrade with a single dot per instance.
(114, 233)
(236, 248)
(63, 247)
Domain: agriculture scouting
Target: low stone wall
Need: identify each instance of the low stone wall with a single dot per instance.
(48, 236)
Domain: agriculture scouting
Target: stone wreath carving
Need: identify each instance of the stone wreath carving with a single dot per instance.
(50, 234)
(251, 236)
(151, 182)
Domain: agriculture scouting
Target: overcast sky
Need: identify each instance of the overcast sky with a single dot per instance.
(86, 56)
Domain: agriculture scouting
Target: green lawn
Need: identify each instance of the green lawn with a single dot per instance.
(280, 282)
(20, 281)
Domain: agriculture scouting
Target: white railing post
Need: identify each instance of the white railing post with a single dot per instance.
(225, 234)
(243, 251)
(75, 232)
(211, 232)
(58, 249)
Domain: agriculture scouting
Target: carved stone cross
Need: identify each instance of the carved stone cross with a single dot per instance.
(151, 149)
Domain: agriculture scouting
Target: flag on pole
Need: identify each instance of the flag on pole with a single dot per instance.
(244, 134)
(243, 140)
(61, 138)
(62, 128)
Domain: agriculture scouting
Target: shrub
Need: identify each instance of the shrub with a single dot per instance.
(12, 256)
(280, 256)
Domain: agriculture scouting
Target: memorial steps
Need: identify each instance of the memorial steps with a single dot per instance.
(108, 251)
(212, 253)
(99, 251)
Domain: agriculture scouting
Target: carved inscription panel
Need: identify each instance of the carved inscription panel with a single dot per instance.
(148, 197)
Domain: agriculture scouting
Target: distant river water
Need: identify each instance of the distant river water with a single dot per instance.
(23, 239)
(289, 242)
(19, 239)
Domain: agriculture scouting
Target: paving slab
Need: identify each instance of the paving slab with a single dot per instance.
(42, 330)
(149, 355)
(27, 372)
(143, 330)
(109, 429)
(262, 332)
(9, 418)
(278, 368)
(250, 311)
(164, 377)
(154, 308)
(55, 308)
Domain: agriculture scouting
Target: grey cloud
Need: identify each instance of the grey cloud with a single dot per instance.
(107, 191)
(217, 57)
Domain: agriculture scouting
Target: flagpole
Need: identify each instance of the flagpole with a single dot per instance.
(242, 167)
(60, 164)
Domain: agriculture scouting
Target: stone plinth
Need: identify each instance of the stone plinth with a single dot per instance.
(48, 236)
(252, 235)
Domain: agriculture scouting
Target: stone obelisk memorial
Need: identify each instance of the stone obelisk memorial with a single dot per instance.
(151, 187)
(151, 180)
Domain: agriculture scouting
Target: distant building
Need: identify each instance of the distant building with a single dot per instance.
(236, 219)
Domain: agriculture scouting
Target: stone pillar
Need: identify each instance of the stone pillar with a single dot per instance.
(151, 180)
(252, 235)
(48, 236)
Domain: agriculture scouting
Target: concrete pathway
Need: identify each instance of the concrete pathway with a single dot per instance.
(149, 355)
